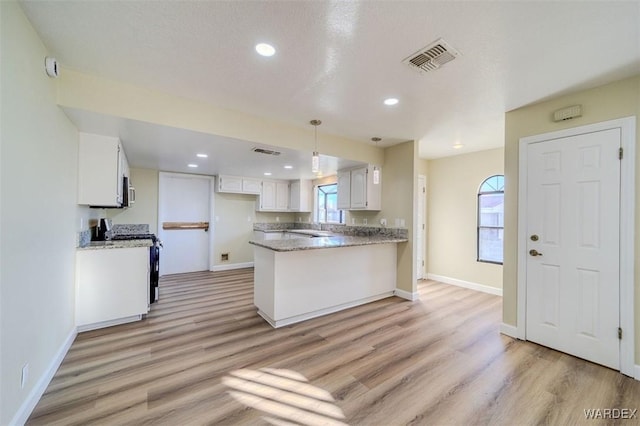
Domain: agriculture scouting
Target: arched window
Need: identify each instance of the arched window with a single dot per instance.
(491, 220)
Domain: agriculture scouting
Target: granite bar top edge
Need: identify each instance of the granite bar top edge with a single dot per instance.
(325, 242)
(102, 245)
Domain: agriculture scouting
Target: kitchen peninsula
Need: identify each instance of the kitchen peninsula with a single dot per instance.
(302, 278)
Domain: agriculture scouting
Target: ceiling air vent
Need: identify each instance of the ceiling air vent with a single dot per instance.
(432, 57)
(265, 151)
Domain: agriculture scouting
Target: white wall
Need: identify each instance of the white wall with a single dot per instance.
(235, 215)
(452, 198)
(39, 215)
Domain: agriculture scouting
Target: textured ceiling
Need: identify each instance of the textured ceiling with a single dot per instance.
(338, 60)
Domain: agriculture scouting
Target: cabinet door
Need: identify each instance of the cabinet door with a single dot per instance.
(111, 284)
(99, 171)
(282, 196)
(344, 190)
(121, 170)
(294, 196)
(268, 195)
(359, 188)
(229, 184)
(251, 186)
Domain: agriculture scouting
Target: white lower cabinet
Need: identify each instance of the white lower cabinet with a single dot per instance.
(112, 286)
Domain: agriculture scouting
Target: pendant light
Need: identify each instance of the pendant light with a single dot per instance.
(315, 160)
(376, 170)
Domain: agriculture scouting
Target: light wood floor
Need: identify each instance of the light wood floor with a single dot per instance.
(203, 356)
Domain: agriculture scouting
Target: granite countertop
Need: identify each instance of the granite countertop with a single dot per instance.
(334, 241)
(98, 245)
(309, 232)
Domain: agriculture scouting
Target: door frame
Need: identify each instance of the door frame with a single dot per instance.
(422, 184)
(212, 223)
(627, 128)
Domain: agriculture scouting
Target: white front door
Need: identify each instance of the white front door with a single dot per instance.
(573, 240)
(184, 198)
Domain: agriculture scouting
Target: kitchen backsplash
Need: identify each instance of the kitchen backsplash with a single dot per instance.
(138, 228)
(84, 237)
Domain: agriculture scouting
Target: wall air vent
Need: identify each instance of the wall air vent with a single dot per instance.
(432, 57)
(265, 151)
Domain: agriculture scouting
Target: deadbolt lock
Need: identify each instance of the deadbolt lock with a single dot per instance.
(534, 252)
(534, 237)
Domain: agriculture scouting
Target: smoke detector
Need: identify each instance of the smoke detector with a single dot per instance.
(432, 57)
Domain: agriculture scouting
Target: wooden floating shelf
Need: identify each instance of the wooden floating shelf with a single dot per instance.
(185, 225)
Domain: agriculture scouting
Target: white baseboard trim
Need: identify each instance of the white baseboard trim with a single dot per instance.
(25, 410)
(231, 266)
(303, 317)
(509, 330)
(110, 323)
(466, 284)
(406, 294)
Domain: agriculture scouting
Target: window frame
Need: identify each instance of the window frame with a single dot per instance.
(318, 189)
(479, 227)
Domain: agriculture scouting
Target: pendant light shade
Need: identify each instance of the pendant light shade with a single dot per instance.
(315, 159)
(376, 169)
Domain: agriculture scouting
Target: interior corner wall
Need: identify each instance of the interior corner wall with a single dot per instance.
(452, 199)
(233, 229)
(145, 209)
(612, 101)
(39, 218)
(399, 175)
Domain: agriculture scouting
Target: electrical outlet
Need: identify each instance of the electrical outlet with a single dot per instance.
(383, 222)
(277, 218)
(364, 221)
(25, 375)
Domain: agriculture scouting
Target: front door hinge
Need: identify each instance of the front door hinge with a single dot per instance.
(620, 153)
(619, 333)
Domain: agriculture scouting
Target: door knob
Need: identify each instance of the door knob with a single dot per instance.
(534, 252)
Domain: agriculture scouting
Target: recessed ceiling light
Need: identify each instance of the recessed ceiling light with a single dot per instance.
(267, 173)
(265, 49)
(457, 145)
(202, 155)
(193, 166)
(288, 167)
(391, 101)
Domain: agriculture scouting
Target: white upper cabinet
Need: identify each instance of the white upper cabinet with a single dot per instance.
(274, 196)
(344, 190)
(357, 191)
(251, 186)
(102, 165)
(300, 199)
(238, 185)
(359, 188)
(282, 195)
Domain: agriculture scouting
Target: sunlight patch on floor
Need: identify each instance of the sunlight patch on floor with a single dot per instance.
(285, 394)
